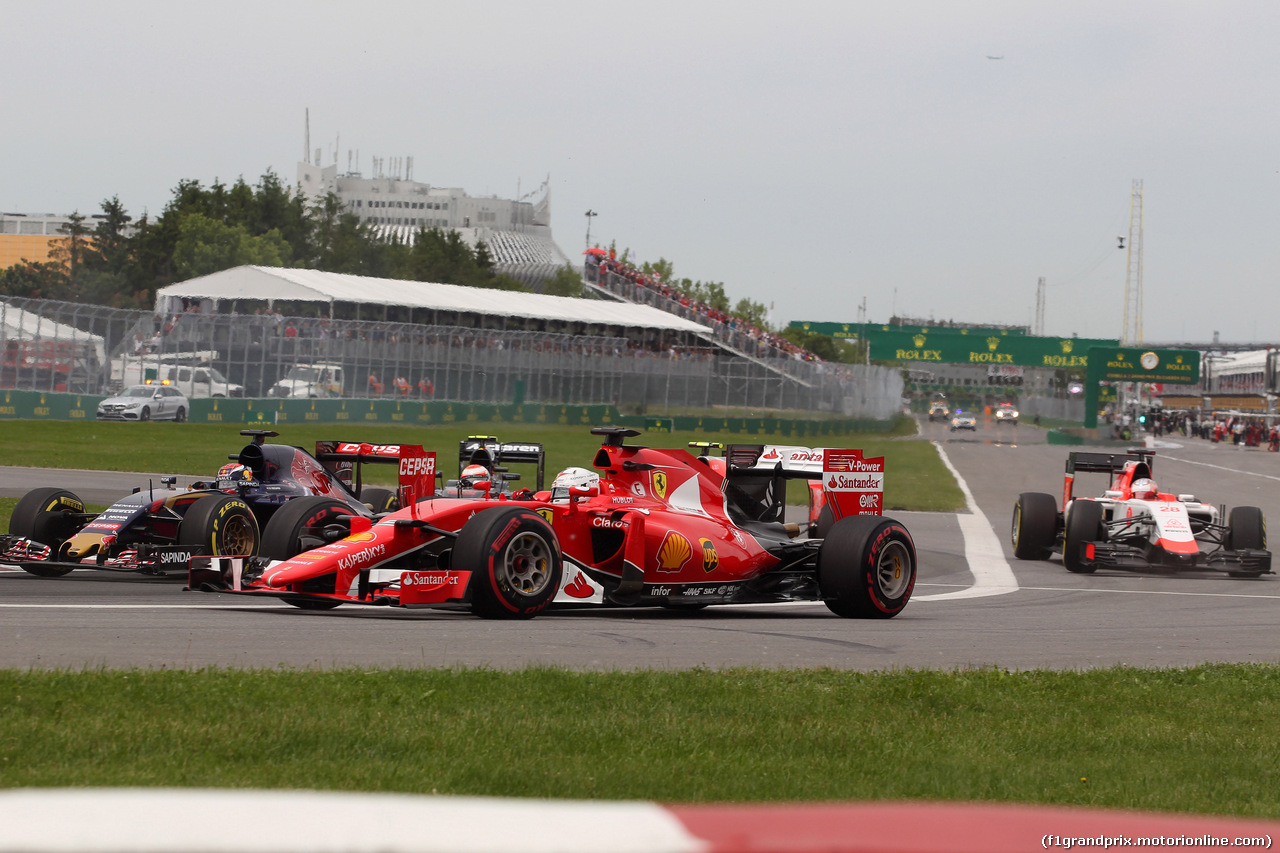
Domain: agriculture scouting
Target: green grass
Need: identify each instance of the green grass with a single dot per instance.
(915, 477)
(1203, 739)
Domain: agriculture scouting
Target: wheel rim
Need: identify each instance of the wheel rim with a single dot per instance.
(1017, 522)
(526, 564)
(893, 570)
(237, 537)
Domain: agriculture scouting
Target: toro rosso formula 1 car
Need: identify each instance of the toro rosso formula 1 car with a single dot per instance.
(1134, 525)
(654, 527)
(159, 529)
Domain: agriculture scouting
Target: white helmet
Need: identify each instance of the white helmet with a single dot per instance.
(573, 478)
(475, 472)
(1144, 489)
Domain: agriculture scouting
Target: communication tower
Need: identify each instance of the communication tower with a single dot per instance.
(1037, 327)
(1132, 334)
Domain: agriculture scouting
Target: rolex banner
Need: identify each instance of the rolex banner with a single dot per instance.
(954, 348)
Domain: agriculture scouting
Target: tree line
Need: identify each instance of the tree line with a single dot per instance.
(110, 259)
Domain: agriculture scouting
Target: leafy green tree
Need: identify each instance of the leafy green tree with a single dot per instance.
(753, 312)
(566, 282)
(709, 293)
(36, 280)
(70, 251)
(207, 245)
(662, 268)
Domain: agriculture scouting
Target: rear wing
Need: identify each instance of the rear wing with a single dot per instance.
(341, 458)
(1082, 462)
(475, 448)
(851, 483)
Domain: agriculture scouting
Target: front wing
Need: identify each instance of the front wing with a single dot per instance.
(1117, 555)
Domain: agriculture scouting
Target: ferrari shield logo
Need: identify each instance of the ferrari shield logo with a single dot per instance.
(548, 515)
(660, 484)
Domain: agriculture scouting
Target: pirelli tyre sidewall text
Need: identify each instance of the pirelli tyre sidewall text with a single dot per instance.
(867, 567)
(46, 516)
(222, 524)
(514, 559)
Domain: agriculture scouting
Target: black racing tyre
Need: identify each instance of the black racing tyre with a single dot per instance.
(145, 414)
(1035, 525)
(180, 415)
(223, 525)
(866, 567)
(822, 526)
(301, 525)
(45, 516)
(382, 500)
(1084, 524)
(1247, 530)
(514, 559)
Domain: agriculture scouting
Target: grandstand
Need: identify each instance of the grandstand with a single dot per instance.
(516, 231)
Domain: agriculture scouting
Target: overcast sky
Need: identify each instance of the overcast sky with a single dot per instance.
(808, 155)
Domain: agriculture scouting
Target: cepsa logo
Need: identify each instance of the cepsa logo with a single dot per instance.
(418, 466)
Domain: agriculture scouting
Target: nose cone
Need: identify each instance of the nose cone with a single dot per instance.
(82, 545)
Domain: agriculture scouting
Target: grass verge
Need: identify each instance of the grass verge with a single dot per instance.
(915, 477)
(1202, 739)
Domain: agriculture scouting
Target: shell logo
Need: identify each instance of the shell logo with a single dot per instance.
(674, 552)
(367, 536)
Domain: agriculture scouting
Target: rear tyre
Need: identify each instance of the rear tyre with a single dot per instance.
(822, 526)
(223, 525)
(382, 500)
(300, 525)
(1248, 531)
(1084, 524)
(46, 516)
(1035, 525)
(866, 567)
(514, 560)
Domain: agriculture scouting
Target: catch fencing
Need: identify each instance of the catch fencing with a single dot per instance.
(94, 350)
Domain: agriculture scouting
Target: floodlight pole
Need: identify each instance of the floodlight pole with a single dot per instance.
(590, 214)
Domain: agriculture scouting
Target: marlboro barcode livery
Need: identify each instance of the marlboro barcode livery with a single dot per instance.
(646, 527)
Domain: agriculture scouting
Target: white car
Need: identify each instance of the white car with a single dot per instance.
(157, 402)
(964, 420)
(1006, 414)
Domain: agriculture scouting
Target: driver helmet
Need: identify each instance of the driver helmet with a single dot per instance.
(1144, 489)
(476, 472)
(578, 478)
(234, 471)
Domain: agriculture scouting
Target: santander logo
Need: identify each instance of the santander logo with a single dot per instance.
(579, 588)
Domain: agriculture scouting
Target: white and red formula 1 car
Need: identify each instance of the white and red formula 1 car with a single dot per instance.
(1134, 525)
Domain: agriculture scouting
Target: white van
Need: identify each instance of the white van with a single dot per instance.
(310, 380)
(196, 379)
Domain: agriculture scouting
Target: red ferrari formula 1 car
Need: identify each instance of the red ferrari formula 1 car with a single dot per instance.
(653, 527)
(156, 530)
(1134, 525)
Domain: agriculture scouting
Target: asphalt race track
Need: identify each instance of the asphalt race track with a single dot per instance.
(974, 605)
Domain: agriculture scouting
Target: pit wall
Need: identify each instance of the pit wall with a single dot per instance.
(37, 405)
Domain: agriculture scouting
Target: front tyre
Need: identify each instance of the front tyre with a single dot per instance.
(514, 560)
(1248, 532)
(1084, 525)
(1035, 525)
(47, 516)
(180, 416)
(300, 525)
(866, 567)
(221, 525)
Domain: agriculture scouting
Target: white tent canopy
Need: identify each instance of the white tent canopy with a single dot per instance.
(17, 324)
(278, 284)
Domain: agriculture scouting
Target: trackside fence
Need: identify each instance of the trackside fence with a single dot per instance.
(62, 347)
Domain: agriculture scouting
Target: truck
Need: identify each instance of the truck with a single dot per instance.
(310, 380)
(191, 373)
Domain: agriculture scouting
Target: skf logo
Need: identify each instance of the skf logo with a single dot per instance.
(710, 559)
(1067, 347)
(660, 484)
(992, 343)
(548, 514)
(674, 552)
(918, 340)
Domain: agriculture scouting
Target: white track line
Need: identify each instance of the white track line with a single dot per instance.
(1219, 467)
(992, 574)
